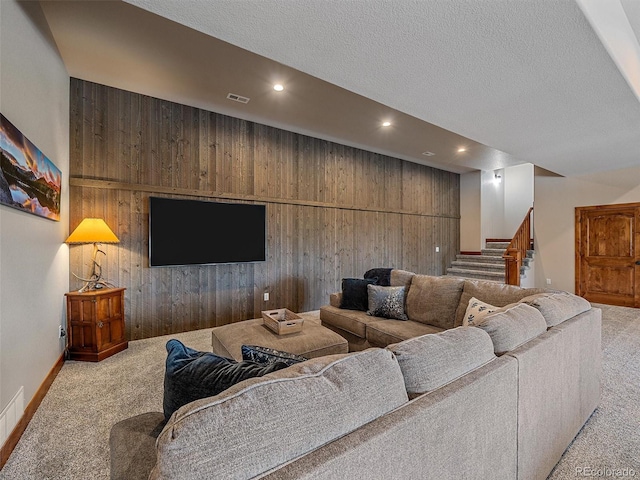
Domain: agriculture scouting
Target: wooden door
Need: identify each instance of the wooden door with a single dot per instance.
(608, 254)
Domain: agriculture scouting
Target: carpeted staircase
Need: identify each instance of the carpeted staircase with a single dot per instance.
(487, 266)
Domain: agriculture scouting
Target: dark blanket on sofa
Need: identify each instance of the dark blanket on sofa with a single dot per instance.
(381, 276)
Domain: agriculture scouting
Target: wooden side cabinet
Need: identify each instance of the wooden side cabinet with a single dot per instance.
(95, 324)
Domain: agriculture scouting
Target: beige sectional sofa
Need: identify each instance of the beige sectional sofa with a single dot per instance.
(433, 304)
(500, 400)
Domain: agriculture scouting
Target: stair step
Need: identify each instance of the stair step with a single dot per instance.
(466, 271)
(495, 252)
(478, 265)
(481, 258)
(497, 245)
(475, 275)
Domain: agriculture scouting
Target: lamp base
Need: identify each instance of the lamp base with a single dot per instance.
(94, 282)
(95, 285)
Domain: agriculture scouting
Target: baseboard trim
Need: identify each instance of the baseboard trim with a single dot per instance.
(469, 252)
(14, 437)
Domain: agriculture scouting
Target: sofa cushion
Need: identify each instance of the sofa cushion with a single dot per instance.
(476, 311)
(511, 327)
(493, 293)
(354, 293)
(352, 321)
(433, 300)
(385, 332)
(299, 409)
(431, 361)
(266, 355)
(401, 278)
(557, 307)
(190, 375)
(386, 302)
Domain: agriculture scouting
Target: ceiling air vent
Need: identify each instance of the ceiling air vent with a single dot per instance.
(238, 98)
(428, 154)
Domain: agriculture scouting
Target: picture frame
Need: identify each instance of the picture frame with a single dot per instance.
(29, 181)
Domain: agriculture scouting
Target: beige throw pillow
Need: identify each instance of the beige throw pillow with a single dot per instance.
(433, 300)
(476, 311)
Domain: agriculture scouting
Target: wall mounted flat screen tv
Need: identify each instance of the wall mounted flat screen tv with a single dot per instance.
(196, 232)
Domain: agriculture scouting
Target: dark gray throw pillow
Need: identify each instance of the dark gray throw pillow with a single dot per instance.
(190, 375)
(387, 302)
(265, 355)
(354, 293)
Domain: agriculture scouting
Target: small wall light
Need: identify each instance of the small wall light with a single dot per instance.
(93, 230)
(497, 178)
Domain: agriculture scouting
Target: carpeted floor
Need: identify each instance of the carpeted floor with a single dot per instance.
(68, 437)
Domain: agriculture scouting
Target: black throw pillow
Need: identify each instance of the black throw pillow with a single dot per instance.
(382, 276)
(354, 293)
(190, 375)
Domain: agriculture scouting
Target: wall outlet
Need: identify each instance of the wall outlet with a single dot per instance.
(437, 249)
(61, 332)
(265, 296)
(548, 281)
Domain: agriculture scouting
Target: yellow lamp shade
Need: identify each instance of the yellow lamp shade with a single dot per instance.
(92, 230)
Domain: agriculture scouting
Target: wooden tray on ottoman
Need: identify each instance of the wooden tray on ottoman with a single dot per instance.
(282, 321)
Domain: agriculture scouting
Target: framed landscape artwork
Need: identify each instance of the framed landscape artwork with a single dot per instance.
(29, 181)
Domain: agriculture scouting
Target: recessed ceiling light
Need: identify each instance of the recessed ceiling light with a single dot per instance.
(428, 154)
(462, 149)
(386, 124)
(278, 87)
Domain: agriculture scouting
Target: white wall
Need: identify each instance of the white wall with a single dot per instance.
(518, 197)
(554, 227)
(492, 205)
(502, 205)
(34, 262)
(493, 210)
(470, 212)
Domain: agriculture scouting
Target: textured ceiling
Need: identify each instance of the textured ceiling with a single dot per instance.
(515, 81)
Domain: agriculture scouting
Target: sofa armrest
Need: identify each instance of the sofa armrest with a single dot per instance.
(133, 446)
(335, 299)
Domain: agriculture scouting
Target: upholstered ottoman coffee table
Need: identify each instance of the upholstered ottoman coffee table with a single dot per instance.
(313, 341)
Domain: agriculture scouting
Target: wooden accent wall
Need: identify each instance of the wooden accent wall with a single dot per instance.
(333, 211)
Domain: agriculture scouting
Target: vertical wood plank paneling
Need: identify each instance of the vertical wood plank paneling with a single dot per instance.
(76, 120)
(137, 139)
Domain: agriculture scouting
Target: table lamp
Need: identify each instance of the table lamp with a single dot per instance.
(96, 231)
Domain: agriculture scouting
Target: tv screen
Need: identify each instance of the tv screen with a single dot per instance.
(195, 232)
